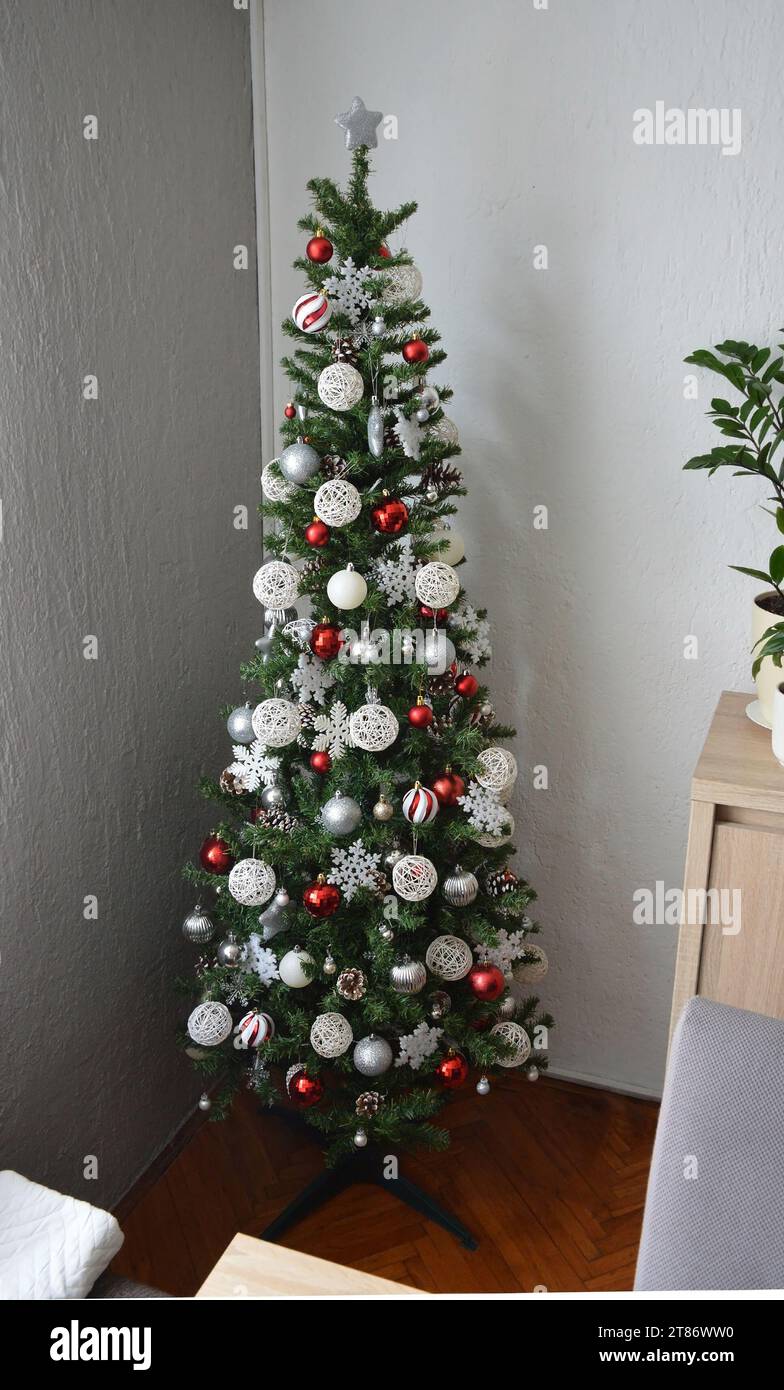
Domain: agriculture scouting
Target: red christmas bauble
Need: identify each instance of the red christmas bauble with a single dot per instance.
(452, 1071)
(321, 898)
(216, 856)
(319, 249)
(290, 410)
(325, 640)
(486, 981)
(420, 715)
(389, 517)
(317, 534)
(439, 615)
(467, 685)
(305, 1090)
(415, 350)
(448, 786)
(320, 761)
(384, 251)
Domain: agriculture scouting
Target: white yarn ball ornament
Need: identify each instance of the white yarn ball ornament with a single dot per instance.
(436, 584)
(346, 588)
(489, 841)
(337, 502)
(210, 1024)
(373, 727)
(276, 584)
(514, 1036)
(340, 386)
(252, 882)
(274, 485)
(331, 1035)
(531, 972)
(276, 722)
(445, 431)
(449, 957)
(405, 282)
(497, 769)
(414, 878)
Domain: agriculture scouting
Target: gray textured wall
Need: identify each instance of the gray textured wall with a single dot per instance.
(116, 259)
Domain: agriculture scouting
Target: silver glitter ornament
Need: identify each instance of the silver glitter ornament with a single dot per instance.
(204, 1102)
(460, 887)
(483, 1086)
(438, 1003)
(375, 429)
(299, 462)
(272, 797)
(378, 328)
(198, 927)
(231, 952)
(275, 918)
(408, 976)
(340, 815)
(360, 1139)
(439, 652)
(373, 1055)
(239, 725)
(383, 809)
(360, 125)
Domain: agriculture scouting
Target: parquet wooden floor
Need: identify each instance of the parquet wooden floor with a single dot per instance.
(550, 1177)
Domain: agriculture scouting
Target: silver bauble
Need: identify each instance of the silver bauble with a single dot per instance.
(483, 1086)
(330, 966)
(204, 1102)
(460, 887)
(375, 429)
(439, 652)
(239, 725)
(340, 815)
(378, 328)
(438, 1003)
(272, 797)
(299, 462)
(533, 1073)
(360, 1139)
(385, 932)
(408, 976)
(275, 918)
(422, 415)
(383, 809)
(230, 952)
(392, 857)
(198, 927)
(373, 1055)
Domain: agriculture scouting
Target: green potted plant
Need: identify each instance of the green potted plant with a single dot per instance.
(754, 431)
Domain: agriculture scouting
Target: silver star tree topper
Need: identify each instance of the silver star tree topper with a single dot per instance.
(360, 125)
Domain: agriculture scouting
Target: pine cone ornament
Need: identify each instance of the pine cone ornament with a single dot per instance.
(442, 685)
(333, 466)
(232, 783)
(501, 881)
(307, 714)
(351, 984)
(345, 351)
(368, 1104)
(391, 440)
(381, 884)
(277, 819)
(482, 717)
(440, 477)
(311, 572)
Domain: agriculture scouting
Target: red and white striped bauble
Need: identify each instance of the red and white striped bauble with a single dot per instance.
(311, 312)
(253, 1029)
(420, 805)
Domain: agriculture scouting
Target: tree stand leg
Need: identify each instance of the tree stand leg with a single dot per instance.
(365, 1166)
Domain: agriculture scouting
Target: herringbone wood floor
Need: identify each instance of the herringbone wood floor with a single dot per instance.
(549, 1176)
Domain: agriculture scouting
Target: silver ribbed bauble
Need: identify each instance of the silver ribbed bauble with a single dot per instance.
(299, 462)
(239, 725)
(275, 918)
(341, 814)
(271, 797)
(408, 976)
(373, 1055)
(230, 952)
(198, 927)
(460, 887)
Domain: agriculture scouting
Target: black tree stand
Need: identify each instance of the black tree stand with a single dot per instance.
(367, 1165)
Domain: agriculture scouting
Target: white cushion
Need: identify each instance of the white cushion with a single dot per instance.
(51, 1246)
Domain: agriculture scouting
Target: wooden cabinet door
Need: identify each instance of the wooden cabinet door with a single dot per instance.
(747, 969)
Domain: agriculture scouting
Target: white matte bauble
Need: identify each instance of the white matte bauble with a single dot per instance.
(240, 725)
(449, 957)
(373, 727)
(291, 970)
(445, 432)
(414, 878)
(276, 584)
(312, 312)
(273, 485)
(210, 1024)
(276, 722)
(331, 1035)
(337, 502)
(514, 1036)
(455, 549)
(340, 386)
(299, 462)
(404, 282)
(346, 588)
(252, 882)
(341, 814)
(496, 769)
(436, 584)
(438, 651)
(531, 972)
(373, 1056)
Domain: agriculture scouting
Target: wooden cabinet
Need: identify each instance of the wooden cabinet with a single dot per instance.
(731, 943)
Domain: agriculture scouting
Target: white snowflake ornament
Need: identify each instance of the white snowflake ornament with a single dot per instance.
(484, 810)
(416, 1046)
(254, 765)
(395, 577)
(477, 644)
(261, 959)
(511, 945)
(409, 433)
(312, 678)
(346, 289)
(333, 731)
(353, 868)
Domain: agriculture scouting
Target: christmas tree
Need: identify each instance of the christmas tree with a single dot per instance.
(371, 924)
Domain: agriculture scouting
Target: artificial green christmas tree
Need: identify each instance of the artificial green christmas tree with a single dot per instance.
(371, 926)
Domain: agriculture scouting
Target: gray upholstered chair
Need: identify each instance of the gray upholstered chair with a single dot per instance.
(714, 1213)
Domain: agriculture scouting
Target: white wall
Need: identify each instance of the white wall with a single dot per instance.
(516, 130)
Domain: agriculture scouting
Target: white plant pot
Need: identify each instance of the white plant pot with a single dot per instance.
(778, 723)
(768, 676)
